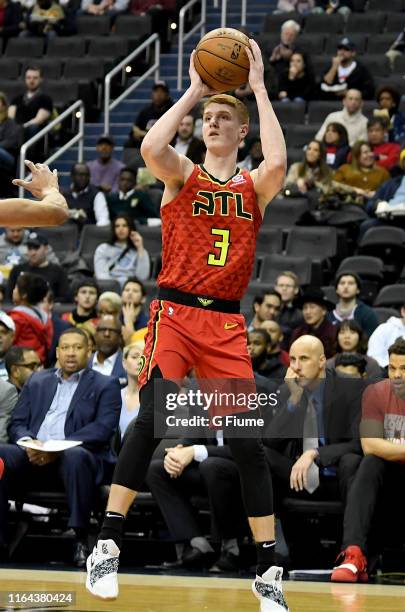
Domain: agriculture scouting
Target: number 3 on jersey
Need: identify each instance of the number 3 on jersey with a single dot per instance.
(223, 245)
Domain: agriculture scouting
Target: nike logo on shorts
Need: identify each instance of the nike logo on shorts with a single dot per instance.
(230, 325)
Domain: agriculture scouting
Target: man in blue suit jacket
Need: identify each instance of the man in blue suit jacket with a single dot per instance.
(108, 357)
(70, 403)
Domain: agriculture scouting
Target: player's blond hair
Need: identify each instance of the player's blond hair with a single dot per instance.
(241, 109)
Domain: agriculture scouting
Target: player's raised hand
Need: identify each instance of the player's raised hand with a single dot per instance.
(256, 70)
(196, 81)
(43, 180)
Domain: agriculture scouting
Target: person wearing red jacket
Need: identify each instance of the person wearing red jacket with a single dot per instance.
(33, 325)
(386, 153)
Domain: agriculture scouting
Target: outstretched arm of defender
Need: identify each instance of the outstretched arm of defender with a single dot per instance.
(269, 176)
(52, 210)
(161, 159)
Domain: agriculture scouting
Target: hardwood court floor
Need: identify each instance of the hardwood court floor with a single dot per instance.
(145, 593)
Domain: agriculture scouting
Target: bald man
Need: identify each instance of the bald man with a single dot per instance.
(322, 464)
(51, 210)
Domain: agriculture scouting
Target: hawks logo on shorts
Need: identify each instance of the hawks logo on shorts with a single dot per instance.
(142, 363)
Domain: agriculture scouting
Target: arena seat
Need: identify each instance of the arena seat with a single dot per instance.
(152, 239)
(371, 272)
(388, 243)
(378, 65)
(311, 44)
(285, 212)
(269, 240)
(62, 238)
(93, 25)
(273, 265)
(62, 91)
(9, 70)
(395, 6)
(380, 43)
(133, 26)
(330, 292)
(83, 68)
(289, 112)
(370, 23)
(391, 295)
(91, 237)
(319, 24)
(273, 22)
(72, 46)
(300, 135)
(12, 87)
(107, 47)
(109, 285)
(25, 47)
(51, 66)
(318, 110)
(395, 23)
(383, 314)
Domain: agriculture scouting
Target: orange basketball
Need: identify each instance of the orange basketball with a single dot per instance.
(221, 59)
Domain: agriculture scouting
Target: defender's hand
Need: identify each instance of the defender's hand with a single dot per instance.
(43, 181)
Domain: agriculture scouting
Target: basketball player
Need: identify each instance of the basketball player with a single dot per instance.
(52, 210)
(210, 218)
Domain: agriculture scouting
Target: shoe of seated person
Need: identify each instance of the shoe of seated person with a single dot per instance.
(102, 570)
(269, 591)
(194, 559)
(227, 562)
(352, 566)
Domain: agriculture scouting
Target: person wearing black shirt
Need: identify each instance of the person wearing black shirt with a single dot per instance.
(161, 102)
(38, 264)
(33, 108)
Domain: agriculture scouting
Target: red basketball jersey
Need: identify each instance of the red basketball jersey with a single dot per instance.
(209, 235)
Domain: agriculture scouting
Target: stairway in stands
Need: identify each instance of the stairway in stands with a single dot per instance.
(123, 115)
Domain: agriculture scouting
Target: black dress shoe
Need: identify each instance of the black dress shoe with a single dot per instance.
(227, 562)
(193, 558)
(81, 552)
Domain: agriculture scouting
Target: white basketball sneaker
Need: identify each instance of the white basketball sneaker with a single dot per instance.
(269, 591)
(102, 568)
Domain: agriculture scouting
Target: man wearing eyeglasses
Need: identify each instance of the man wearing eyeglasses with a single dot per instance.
(21, 362)
(108, 357)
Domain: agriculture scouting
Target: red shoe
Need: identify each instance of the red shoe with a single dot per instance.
(352, 566)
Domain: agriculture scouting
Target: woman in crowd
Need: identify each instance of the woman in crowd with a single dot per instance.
(130, 394)
(336, 143)
(312, 172)
(363, 175)
(109, 303)
(124, 255)
(388, 99)
(134, 316)
(297, 82)
(352, 339)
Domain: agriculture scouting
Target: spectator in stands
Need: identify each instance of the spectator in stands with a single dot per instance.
(131, 360)
(33, 108)
(331, 7)
(297, 82)
(386, 334)
(255, 155)
(303, 7)
(134, 315)
(336, 143)
(10, 136)
(58, 326)
(281, 54)
(124, 255)
(21, 362)
(276, 337)
(87, 204)
(38, 263)
(109, 303)
(46, 18)
(312, 460)
(350, 116)
(46, 395)
(148, 115)
(352, 339)
(362, 174)
(104, 170)
(86, 293)
(14, 249)
(312, 173)
(11, 18)
(7, 335)
(129, 200)
(351, 365)
(376, 482)
(386, 153)
(290, 316)
(108, 356)
(389, 99)
(315, 307)
(346, 73)
(265, 307)
(186, 143)
(8, 399)
(348, 287)
(264, 362)
(2, 295)
(33, 326)
(112, 8)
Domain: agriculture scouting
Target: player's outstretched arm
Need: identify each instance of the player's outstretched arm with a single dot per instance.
(270, 175)
(51, 210)
(161, 159)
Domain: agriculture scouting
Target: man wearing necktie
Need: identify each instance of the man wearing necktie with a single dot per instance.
(312, 444)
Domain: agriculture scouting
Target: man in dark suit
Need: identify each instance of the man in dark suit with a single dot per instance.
(8, 399)
(186, 143)
(70, 403)
(312, 443)
(131, 200)
(108, 357)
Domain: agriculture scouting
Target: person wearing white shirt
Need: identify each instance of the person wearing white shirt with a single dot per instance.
(350, 116)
